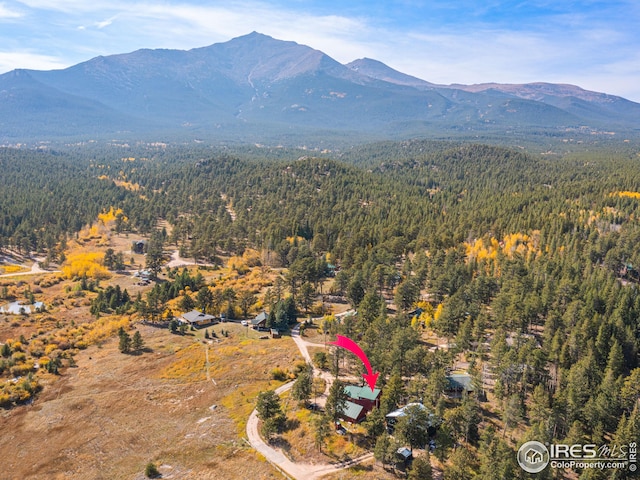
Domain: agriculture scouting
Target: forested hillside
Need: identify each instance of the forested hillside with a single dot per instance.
(529, 265)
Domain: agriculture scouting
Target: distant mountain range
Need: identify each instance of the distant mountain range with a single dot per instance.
(256, 87)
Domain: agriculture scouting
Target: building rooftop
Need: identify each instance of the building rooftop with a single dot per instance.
(261, 317)
(352, 410)
(197, 316)
(364, 392)
(404, 452)
(460, 381)
(401, 411)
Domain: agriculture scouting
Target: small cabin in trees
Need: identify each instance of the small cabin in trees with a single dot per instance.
(393, 417)
(138, 246)
(405, 456)
(458, 384)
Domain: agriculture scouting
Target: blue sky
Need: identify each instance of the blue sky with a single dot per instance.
(593, 44)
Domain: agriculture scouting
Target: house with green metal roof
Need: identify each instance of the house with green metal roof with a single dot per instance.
(361, 401)
(363, 395)
(352, 412)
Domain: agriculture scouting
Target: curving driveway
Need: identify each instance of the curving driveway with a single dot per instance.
(298, 471)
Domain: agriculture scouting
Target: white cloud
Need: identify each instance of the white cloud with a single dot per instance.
(67, 6)
(517, 57)
(30, 60)
(184, 25)
(189, 23)
(7, 13)
(105, 23)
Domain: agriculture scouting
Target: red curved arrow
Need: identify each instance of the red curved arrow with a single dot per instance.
(354, 348)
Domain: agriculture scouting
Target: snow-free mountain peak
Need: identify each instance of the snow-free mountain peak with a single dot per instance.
(255, 85)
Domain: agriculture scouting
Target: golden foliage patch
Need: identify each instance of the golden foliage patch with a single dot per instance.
(634, 195)
(87, 264)
(108, 217)
(512, 245)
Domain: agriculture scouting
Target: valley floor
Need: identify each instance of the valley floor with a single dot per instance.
(114, 413)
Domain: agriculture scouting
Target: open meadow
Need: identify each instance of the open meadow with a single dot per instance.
(113, 413)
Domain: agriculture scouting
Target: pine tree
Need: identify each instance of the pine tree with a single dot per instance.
(374, 423)
(246, 300)
(336, 401)
(154, 254)
(392, 394)
(268, 405)
(125, 342)
(413, 426)
(321, 431)
(461, 465)
(187, 303)
(421, 468)
(151, 471)
(301, 390)
(137, 343)
(385, 450)
(272, 425)
(204, 299)
(307, 295)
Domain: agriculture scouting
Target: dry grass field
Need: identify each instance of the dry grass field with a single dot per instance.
(114, 413)
(182, 404)
(365, 470)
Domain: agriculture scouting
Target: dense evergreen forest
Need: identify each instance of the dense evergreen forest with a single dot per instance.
(535, 255)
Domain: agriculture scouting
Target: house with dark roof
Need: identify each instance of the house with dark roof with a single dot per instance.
(260, 321)
(458, 384)
(138, 246)
(196, 318)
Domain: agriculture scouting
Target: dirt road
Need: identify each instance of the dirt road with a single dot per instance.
(298, 471)
(35, 269)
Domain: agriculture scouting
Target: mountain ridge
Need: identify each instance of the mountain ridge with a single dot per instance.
(256, 86)
(530, 91)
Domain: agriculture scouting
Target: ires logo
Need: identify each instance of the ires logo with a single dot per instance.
(573, 452)
(533, 457)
